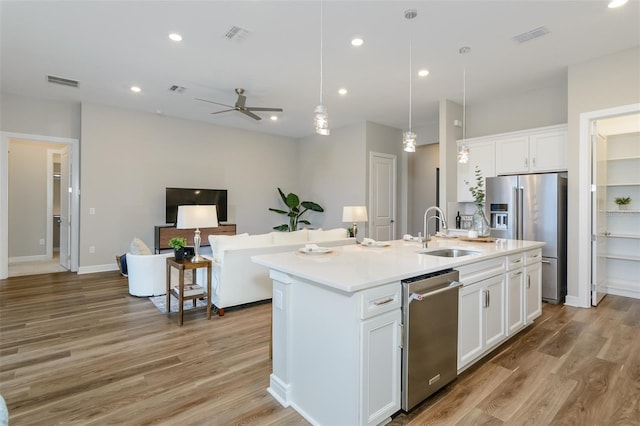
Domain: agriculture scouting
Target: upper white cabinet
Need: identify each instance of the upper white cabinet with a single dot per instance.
(481, 154)
(537, 150)
(532, 151)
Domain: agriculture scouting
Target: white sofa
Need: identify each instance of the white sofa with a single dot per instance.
(236, 280)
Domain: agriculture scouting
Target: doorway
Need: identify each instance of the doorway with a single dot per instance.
(382, 196)
(615, 153)
(33, 242)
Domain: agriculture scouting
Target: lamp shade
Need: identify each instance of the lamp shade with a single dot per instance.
(354, 214)
(190, 217)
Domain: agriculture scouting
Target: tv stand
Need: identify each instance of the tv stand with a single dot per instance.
(163, 233)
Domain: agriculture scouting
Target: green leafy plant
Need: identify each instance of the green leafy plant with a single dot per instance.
(478, 190)
(295, 210)
(177, 243)
(621, 201)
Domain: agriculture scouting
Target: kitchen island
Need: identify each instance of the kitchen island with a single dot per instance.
(337, 328)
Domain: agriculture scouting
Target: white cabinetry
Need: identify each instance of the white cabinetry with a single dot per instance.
(533, 291)
(481, 311)
(482, 155)
(532, 151)
(380, 353)
(515, 293)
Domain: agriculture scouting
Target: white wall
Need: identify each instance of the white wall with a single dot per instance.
(21, 114)
(422, 184)
(602, 83)
(449, 134)
(545, 106)
(333, 173)
(128, 158)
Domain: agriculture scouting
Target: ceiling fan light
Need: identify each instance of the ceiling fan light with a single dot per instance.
(409, 141)
(321, 120)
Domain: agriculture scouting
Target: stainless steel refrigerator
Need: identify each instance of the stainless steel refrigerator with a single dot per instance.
(534, 207)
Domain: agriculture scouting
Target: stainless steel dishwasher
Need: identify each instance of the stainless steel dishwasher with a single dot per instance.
(430, 342)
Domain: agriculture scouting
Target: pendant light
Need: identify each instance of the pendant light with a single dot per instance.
(463, 151)
(408, 137)
(320, 113)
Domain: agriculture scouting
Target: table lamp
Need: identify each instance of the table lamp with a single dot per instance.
(197, 217)
(354, 214)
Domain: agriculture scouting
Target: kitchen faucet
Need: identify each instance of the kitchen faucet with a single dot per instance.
(427, 237)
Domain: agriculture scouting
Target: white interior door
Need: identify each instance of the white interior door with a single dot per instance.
(382, 196)
(65, 204)
(598, 217)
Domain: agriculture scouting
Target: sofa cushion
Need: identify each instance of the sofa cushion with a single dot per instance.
(240, 242)
(318, 235)
(213, 239)
(295, 237)
(138, 246)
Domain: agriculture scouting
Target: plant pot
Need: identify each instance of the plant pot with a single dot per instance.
(623, 206)
(179, 253)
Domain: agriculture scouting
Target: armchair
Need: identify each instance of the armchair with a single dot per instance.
(147, 273)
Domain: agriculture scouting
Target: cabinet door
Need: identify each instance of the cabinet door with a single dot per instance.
(548, 152)
(494, 311)
(533, 291)
(381, 357)
(515, 301)
(481, 154)
(470, 324)
(512, 155)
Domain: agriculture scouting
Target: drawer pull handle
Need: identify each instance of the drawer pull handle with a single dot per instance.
(516, 261)
(517, 273)
(384, 302)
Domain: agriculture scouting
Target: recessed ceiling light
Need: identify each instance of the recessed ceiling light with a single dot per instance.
(274, 118)
(342, 91)
(616, 3)
(136, 89)
(175, 37)
(423, 73)
(357, 42)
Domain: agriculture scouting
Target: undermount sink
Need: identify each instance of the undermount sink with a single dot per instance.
(450, 252)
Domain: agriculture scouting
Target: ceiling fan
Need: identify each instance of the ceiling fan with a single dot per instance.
(240, 106)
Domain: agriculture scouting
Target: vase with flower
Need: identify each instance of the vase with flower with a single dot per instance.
(480, 222)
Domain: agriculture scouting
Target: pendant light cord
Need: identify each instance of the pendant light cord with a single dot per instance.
(321, 45)
(464, 102)
(410, 75)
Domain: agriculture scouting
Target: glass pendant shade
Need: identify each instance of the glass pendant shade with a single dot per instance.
(463, 154)
(409, 141)
(321, 120)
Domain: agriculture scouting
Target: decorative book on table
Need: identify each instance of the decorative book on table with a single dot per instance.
(190, 289)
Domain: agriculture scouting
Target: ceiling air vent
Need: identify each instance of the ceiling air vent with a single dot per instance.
(236, 33)
(177, 89)
(530, 35)
(62, 81)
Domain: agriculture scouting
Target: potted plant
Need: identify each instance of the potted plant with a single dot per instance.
(480, 222)
(177, 244)
(296, 209)
(623, 202)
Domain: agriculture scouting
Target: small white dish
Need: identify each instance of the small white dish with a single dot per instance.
(376, 244)
(319, 250)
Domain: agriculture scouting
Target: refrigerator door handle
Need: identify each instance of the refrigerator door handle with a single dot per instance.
(520, 213)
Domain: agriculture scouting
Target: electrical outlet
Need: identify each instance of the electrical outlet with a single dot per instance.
(92, 210)
(41, 241)
(92, 249)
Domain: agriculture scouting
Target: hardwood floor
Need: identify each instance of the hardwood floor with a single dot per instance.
(78, 349)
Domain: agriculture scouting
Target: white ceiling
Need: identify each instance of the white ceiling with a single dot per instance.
(109, 46)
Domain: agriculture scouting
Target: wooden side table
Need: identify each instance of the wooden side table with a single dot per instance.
(179, 292)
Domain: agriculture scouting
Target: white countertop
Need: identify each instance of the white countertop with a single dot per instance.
(353, 268)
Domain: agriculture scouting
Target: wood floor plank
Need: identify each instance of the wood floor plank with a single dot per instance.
(79, 350)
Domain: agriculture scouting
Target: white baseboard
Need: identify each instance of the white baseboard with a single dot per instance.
(97, 268)
(624, 288)
(574, 301)
(22, 259)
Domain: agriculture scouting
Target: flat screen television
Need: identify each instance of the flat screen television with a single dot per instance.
(175, 197)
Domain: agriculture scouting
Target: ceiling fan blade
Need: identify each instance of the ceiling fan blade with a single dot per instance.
(240, 102)
(212, 102)
(263, 109)
(250, 114)
(224, 110)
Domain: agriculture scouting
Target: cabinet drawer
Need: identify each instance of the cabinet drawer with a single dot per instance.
(475, 272)
(532, 256)
(381, 299)
(514, 261)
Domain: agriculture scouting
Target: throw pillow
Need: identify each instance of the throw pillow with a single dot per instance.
(329, 235)
(139, 247)
(295, 237)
